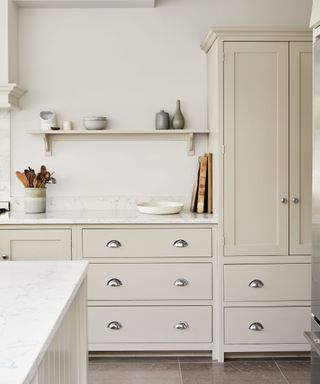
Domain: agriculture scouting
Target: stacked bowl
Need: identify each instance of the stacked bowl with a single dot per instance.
(95, 122)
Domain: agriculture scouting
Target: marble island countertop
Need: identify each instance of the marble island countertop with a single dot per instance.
(34, 297)
(105, 217)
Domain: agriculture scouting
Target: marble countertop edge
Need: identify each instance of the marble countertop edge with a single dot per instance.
(105, 217)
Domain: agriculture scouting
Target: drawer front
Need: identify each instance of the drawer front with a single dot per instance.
(154, 242)
(150, 281)
(36, 244)
(283, 325)
(150, 324)
(268, 282)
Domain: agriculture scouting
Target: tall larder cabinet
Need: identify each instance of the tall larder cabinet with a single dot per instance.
(260, 114)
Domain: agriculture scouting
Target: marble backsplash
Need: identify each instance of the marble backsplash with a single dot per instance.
(98, 202)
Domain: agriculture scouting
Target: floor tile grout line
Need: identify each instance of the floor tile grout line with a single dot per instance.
(181, 379)
(282, 374)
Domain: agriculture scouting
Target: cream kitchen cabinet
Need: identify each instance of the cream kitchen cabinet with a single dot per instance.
(35, 244)
(260, 120)
(151, 287)
(267, 139)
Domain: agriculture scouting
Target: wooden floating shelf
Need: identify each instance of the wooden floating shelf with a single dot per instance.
(186, 135)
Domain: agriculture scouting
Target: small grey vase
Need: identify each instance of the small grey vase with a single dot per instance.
(162, 120)
(178, 119)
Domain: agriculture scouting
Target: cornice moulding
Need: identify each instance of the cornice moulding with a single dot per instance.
(252, 34)
(10, 95)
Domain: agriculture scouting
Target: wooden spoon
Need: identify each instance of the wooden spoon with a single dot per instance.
(23, 178)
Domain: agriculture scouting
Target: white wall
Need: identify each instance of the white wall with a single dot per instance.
(126, 64)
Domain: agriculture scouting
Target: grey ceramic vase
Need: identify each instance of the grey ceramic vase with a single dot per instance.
(178, 119)
(162, 120)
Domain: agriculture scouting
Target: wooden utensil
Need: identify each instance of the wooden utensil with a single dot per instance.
(23, 178)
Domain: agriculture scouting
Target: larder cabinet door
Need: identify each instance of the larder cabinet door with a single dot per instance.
(300, 147)
(35, 244)
(256, 148)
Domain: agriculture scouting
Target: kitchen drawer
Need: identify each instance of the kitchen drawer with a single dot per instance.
(36, 244)
(183, 281)
(267, 282)
(281, 325)
(144, 242)
(150, 324)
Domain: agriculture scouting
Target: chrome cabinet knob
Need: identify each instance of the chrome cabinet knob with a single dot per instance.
(114, 244)
(296, 200)
(114, 283)
(182, 325)
(5, 257)
(256, 284)
(284, 200)
(114, 325)
(181, 283)
(256, 327)
(180, 243)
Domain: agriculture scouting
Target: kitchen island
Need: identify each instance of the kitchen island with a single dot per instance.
(43, 322)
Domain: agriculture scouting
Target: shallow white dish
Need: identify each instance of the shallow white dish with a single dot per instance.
(160, 207)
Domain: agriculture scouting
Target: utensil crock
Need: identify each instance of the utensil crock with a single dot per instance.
(35, 200)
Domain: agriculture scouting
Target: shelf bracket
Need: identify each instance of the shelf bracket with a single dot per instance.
(190, 144)
(47, 144)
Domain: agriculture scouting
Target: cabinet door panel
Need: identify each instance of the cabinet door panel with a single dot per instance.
(256, 148)
(36, 244)
(300, 147)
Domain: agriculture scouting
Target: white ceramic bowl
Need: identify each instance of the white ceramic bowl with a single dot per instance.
(160, 207)
(95, 122)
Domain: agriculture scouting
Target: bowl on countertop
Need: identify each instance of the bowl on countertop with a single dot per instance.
(160, 207)
(95, 122)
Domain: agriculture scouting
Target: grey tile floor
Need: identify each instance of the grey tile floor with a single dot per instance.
(198, 371)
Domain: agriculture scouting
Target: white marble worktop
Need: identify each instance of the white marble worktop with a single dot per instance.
(34, 298)
(105, 217)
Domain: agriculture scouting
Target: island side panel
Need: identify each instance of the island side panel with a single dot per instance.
(66, 359)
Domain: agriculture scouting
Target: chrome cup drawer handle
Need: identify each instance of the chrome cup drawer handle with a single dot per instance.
(256, 284)
(256, 327)
(114, 283)
(181, 325)
(114, 244)
(4, 257)
(114, 325)
(181, 283)
(180, 243)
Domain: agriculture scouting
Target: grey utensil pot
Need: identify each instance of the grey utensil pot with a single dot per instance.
(162, 120)
(178, 119)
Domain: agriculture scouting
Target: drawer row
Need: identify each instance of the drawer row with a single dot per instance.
(144, 242)
(99, 243)
(194, 281)
(193, 324)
